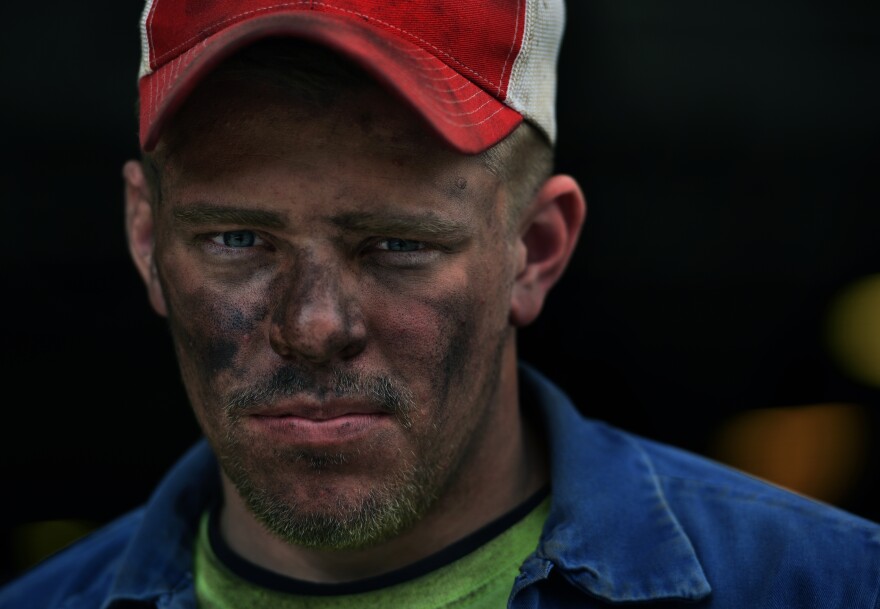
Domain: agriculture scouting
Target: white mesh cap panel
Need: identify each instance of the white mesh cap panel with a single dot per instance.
(145, 40)
(532, 87)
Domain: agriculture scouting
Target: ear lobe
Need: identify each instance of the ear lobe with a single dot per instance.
(549, 233)
(139, 229)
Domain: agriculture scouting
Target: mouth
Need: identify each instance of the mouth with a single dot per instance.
(309, 423)
(304, 407)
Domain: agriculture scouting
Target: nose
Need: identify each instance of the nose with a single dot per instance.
(317, 319)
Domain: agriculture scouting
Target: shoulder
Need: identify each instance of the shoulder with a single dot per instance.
(747, 531)
(695, 484)
(636, 519)
(143, 554)
(86, 567)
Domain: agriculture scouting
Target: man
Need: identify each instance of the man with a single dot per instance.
(344, 210)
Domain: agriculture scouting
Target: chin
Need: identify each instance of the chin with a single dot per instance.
(316, 499)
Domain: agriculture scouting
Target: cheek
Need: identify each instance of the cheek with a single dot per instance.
(420, 328)
(442, 336)
(213, 327)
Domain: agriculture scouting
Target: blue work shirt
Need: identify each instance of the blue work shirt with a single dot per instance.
(632, 521)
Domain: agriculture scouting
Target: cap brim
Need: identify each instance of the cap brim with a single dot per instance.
(461, 113)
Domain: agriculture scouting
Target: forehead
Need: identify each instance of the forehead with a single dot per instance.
(243, 128)
(306, 96)
(301, 80)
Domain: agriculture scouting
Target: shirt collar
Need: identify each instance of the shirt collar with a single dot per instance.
(610, 531)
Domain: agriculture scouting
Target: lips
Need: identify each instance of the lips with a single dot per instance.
(315, 410)
(310, 423)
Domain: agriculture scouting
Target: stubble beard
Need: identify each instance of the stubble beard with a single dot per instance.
(351, 521)
(348, 520)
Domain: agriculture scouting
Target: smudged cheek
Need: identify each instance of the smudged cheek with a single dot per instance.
(217, 332)
(433, 338)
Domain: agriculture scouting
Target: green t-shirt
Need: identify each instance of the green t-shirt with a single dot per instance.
(476, 572)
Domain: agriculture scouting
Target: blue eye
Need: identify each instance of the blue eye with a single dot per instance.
(238, 238)
(400, 245)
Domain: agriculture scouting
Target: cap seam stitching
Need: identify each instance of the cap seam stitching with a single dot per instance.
(510, 49)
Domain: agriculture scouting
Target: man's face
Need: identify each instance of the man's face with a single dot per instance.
(338, 289)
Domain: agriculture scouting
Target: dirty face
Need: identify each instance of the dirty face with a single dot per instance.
(338, 289)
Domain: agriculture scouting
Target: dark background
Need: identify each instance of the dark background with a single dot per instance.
(728, 151)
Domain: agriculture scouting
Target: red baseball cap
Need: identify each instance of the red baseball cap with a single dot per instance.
(473, 69)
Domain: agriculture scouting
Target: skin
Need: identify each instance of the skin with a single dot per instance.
(345, 269)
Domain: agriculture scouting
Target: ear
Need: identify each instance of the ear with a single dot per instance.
(549, 233)
(139, 228)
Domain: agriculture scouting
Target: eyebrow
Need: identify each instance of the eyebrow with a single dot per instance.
(202, 213)
(427, 224)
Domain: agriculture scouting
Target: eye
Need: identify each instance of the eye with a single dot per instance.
(400, 245)
(236, 239)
